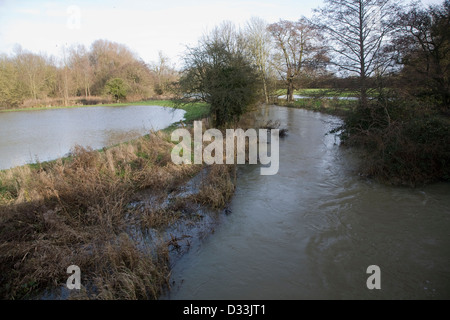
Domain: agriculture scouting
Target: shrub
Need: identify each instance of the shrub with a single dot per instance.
(404, 144)
(117, 88)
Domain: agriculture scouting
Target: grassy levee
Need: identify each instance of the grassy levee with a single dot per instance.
(77, 211)
(329, 106)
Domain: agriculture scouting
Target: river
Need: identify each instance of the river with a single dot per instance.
(42, 135)
(312, 230)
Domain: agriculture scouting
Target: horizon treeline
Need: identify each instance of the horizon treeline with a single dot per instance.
(357, 45)
(81, 76)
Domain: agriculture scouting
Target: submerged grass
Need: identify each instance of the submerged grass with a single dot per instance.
(218, 188)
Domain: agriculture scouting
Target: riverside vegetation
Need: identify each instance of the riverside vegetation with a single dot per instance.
(77, 211)
(81, 210)
(404, 143)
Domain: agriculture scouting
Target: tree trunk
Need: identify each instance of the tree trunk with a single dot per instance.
(290, 90)
(66, 88)
(363, 91)
(266, 94)
(362, 75)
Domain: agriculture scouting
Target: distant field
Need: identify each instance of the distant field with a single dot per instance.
(322, 93)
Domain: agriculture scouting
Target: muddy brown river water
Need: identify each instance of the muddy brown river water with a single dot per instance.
(312, 230)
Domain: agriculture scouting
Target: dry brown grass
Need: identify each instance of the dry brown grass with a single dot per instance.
(218, 186)
(77, 211)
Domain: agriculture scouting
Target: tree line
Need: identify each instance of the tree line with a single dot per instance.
(359, 44)
(106, 70)
(395, 57)
(367, 46)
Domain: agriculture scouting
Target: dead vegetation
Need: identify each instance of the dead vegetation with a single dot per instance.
(218, 187)
(99, 210)
(77, 211)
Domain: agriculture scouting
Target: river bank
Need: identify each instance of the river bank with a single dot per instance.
(125, 214)
(312, 230)
(43, 135)
(403, 142)
(86, 210)
(121, 214)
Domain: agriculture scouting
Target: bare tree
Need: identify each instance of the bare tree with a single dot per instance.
(81, 69)
(64, 80)
(295, 45)
(10, 91)
(140, 79)
(259, 47)
(422, 47)
(356, 31)
(164, 72)
(106, 58)
(34, 71)
(78, 72)
(228, 35)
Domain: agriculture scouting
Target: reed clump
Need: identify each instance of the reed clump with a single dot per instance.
(217, 187)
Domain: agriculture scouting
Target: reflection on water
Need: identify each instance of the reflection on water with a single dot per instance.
(311, 231)
(28, 136)
(299, 97)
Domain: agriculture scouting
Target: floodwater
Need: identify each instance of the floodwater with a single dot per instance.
(299, 97)
(312, 230)
(42, 135)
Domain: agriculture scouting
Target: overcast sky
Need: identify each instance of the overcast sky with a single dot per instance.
(146, 27)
